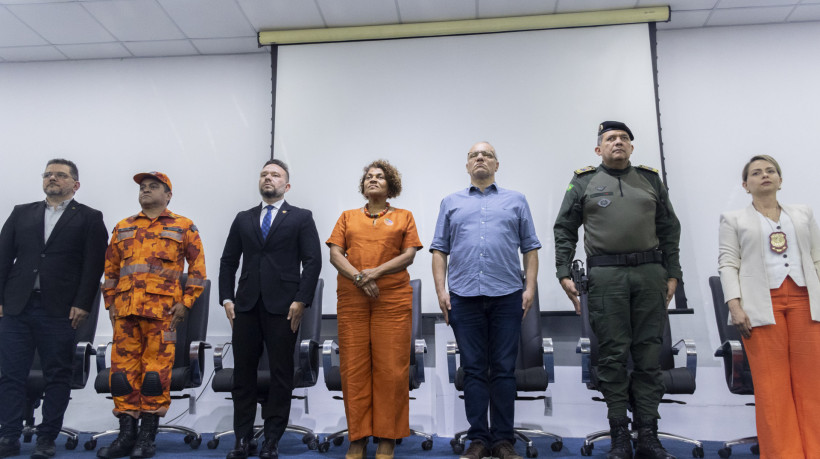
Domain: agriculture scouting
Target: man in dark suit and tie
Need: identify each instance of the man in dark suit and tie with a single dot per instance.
(51, 260)
(281, 260)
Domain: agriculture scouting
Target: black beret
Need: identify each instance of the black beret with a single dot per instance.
(614, 126)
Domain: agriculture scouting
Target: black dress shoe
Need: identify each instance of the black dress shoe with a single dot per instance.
(45, 448)
(241, 449)
(270, 450)
(9, 446)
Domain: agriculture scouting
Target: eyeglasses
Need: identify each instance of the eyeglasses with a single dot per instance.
(59, 175)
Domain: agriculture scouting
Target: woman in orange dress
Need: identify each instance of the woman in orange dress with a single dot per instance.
(371, 247)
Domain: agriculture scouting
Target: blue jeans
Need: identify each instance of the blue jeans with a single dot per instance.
(487, 331)
(53, 339)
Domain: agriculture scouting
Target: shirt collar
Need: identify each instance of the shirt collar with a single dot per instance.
(60, 206)
(276, 205)
(492, 187)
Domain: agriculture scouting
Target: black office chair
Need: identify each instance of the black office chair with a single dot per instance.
(189, 365)
(534, 370)
(35, 384)
(306, 370)
(418, 347)
(676, 380)
(735, 363)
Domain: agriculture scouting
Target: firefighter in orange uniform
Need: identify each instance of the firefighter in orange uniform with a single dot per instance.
(145, 301)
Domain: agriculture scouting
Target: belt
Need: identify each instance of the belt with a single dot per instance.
(626, 259)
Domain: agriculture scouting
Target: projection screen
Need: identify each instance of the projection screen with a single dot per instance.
(537, 96)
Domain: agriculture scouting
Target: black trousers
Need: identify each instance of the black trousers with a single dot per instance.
(53, 339)
(251, 331)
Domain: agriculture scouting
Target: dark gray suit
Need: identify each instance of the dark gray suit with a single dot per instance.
(276, 271)
(69, 265)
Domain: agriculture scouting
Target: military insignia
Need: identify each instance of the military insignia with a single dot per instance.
(584, 170)
(647, 168)
(284, 211)
(600, 188)
(571, 186)
(604, 202)
(600, 127)
(172, 228)
(388, 222)
(124, 230)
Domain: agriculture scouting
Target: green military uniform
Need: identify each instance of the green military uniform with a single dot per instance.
(631, 229)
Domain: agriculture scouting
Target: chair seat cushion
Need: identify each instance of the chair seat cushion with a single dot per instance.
(678, 381)
(333, 378)
(532, 379)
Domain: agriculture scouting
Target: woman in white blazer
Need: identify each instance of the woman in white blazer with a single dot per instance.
(769, 262)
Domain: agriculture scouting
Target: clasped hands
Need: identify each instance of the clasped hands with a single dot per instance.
(366, 280)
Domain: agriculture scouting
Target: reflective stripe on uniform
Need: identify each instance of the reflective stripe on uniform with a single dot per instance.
(171, 274)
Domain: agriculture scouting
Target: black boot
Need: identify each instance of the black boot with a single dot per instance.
(270, 448)
(145, 446)
(241, 449)
(124, 442)
(649, 447)
(621, 439)
(9, 446)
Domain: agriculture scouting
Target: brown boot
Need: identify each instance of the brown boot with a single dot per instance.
(357, 449)
(385, 449)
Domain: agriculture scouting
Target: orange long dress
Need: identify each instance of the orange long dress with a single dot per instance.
(374, 333)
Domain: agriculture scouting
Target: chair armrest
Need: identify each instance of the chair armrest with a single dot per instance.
(585, 349)
(219, 354)
(734, 350)
(420, 348)
(691, 354)
(81, 364)
(329, 350)
(196, 358)
(309, 361)
(452, 366)
(549, 358)
(102, 349)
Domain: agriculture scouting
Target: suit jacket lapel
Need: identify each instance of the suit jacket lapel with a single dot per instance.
(797, 222)
(253, 218)
(40, 218)
(69, 213)
(280, 216)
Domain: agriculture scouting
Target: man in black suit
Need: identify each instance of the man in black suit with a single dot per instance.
(276, 241)
(51, 260)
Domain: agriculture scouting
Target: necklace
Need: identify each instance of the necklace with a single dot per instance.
(777, 238)
(376, 216)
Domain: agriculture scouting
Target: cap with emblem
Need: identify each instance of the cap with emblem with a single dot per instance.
(614, 126)
(154, 174)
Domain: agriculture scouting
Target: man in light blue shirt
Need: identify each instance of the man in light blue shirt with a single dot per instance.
(481, 229)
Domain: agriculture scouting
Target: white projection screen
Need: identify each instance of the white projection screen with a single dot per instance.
(537, 96)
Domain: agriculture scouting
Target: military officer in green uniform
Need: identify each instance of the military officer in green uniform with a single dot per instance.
(631, 237)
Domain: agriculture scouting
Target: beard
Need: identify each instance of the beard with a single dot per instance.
(271, 194)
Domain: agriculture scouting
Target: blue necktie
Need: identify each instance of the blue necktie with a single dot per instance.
(266, 222)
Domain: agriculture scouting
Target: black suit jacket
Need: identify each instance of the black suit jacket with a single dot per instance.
(282, 268)
(70, 263)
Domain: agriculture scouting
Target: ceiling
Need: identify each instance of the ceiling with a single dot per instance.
(52, 30)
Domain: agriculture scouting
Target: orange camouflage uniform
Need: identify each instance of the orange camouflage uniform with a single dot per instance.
(143, 265)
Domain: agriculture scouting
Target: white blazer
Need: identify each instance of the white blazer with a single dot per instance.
(742, 269)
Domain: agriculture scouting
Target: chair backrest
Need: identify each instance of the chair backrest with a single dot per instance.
(310, 329)
(193, 328)
(415, 333)
(739, 380)
(530, 350)
(88, 328)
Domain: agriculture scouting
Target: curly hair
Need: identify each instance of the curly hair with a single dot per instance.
(391, 175)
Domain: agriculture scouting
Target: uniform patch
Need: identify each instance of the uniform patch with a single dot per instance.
(604, 202)
(647, 168)
(195, 229)
(601, 188)
(172, 228)
(571, 186)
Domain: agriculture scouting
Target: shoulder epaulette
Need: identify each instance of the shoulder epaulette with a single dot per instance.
(584, 170)
(647, 168)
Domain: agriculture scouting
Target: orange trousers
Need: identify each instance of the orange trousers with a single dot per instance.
(142, 359)
(784, 362)
(374, 357)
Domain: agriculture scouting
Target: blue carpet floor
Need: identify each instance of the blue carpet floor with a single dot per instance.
(172, 446)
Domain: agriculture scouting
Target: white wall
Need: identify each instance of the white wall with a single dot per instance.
(204, 121)
(727, 94)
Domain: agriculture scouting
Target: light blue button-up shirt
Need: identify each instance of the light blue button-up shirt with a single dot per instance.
(482, 233)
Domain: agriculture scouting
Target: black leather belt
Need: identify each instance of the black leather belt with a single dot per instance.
(626, 259)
